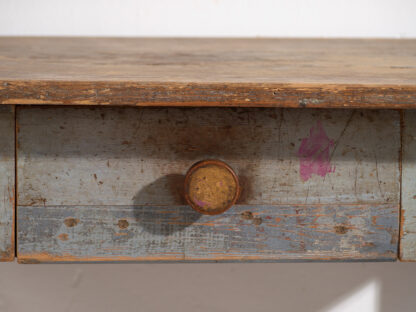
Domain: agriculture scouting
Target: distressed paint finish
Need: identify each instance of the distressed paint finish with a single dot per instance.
(7, 141)
(408, 212)
(124, 160)
(128, 233)
(209, 72)
(120, 156)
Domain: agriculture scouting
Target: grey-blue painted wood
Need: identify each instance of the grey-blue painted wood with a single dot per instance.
(7, 186)
(123, 156)
(177, 233)
(408, 217)
(95, 167)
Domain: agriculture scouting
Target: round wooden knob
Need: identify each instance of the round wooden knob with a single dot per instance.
(211, 187)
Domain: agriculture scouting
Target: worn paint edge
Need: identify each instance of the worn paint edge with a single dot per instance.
(221, 94)
(44, 257)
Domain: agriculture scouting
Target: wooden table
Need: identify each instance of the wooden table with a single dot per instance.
(98, 134)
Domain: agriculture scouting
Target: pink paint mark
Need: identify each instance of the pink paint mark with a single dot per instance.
(200, 203)
(314, 153)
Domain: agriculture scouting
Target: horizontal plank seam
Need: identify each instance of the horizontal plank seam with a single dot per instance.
(239, 205)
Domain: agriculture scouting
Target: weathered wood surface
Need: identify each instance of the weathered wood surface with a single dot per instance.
(209, 72)
(7, 189)
(99, 165)
(106, 156)
(177, 233)
(408, 208)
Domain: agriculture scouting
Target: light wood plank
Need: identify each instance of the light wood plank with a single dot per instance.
(208, 72)
(7, 185)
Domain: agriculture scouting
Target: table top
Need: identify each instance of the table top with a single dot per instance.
(366, 73)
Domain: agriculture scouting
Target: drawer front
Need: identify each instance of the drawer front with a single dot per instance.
(107, 184)
(7, 185)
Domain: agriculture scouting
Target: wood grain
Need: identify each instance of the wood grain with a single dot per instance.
(209, 72)
(177, 233)
(112, 156)
(7, 185)
(408, 207)
(86, 172)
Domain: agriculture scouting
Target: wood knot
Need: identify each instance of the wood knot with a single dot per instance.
(123, 224)
(257, 221)
(71, 222)
(247, 215)
(340, 229)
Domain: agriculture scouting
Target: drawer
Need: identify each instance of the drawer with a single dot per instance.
(106, 184)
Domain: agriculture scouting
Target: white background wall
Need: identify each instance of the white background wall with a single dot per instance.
(300, 18)
(363, 287)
